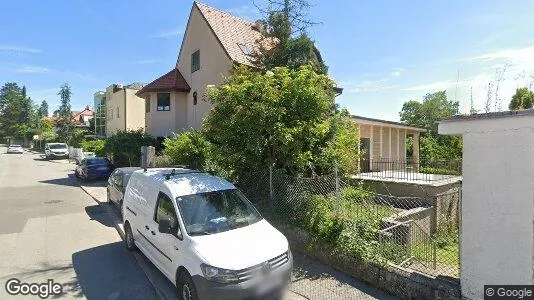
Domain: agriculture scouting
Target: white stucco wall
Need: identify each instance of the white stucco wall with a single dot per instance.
(497, 236)
(135, 110)
(131, 110)
(214, 63)
(165, 123)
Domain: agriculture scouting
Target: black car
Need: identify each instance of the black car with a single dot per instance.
(94, 168)
(117, 182)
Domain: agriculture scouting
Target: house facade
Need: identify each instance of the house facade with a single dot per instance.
(213, 41)
(124, 109)
(82, 118)
(384, 143)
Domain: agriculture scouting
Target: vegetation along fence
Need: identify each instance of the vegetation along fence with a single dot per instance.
(404, 231)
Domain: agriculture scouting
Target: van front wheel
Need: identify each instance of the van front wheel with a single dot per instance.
(128, 238)
(186, 287)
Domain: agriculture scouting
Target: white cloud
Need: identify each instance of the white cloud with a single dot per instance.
(32, 69)
(170, 33)
(396, 72)
(18, 49)
(382, 84)
(247, 12)
(144, 61)
(433, 86)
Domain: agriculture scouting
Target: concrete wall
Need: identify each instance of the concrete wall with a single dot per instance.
(214, 63)
(497, 201)
(165, 123)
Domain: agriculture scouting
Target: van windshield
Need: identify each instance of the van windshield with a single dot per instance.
(218, 211)
(58, 146)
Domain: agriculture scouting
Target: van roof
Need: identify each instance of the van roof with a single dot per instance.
(187, 182)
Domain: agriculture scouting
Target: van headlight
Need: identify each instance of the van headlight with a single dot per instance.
(218, 275)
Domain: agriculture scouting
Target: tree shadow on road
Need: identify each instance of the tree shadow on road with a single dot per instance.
(98, 213)
(108, 272)
(67, 181)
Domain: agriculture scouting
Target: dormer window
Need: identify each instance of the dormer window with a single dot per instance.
(245, 48)
(195, 61)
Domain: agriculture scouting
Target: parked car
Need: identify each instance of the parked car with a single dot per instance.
(94, 168)
(204, 235)
(56, 150)
(15, 149)
(117, 182)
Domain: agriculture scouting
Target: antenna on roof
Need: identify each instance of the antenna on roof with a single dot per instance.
(168, 176)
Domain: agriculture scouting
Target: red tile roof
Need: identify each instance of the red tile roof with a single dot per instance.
(231, 31)
(172, 81)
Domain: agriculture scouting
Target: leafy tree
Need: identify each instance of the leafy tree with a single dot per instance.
(283, 118)
(64, 115)
(341, 149)
(188, 148)
(17, 113)
(284, 41)
(129, 155)
(522, 99)
(77, 138)
(434, 108)
(43, 109)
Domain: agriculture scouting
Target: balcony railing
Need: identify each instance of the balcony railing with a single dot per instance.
(410, 170)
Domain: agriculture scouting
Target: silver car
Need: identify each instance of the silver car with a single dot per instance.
(16, 149)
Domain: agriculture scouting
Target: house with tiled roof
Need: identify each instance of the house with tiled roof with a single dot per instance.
(213, 42)
(81, 118)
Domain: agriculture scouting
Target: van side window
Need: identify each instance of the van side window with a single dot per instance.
(164, 209)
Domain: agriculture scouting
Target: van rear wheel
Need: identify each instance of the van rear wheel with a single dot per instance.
(186, 287)
(128, 238)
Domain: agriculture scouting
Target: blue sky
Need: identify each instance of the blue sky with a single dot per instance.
(382, 52)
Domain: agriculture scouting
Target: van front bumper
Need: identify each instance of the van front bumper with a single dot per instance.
(58, 155)
(251, 289)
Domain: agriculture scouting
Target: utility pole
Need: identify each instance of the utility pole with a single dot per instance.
(472, 109)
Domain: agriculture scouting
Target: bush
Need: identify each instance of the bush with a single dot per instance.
(96, 146)
(77, 138)
(188, 148)
(440, 171)
(320, 221)
(163, 161)
(125, 147)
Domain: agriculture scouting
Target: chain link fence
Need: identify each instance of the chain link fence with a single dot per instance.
(418, 233)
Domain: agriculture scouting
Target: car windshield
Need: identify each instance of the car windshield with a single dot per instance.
(97, 161)
(215, 212)
(58, 146)
(15, 146)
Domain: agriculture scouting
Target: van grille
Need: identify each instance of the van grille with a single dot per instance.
(263, 268)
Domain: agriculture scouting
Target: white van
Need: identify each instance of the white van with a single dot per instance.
(56, 150)
(204, 235)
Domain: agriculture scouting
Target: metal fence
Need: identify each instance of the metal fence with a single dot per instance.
(409, 232)
(411, 170)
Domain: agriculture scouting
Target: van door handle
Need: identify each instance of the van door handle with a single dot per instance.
(146, 227)
(153, 232)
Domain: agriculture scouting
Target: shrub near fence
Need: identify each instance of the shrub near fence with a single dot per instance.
(373, 228)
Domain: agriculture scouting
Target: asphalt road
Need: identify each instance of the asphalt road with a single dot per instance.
(51, 229)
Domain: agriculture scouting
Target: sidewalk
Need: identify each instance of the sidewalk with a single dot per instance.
(311, 279)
